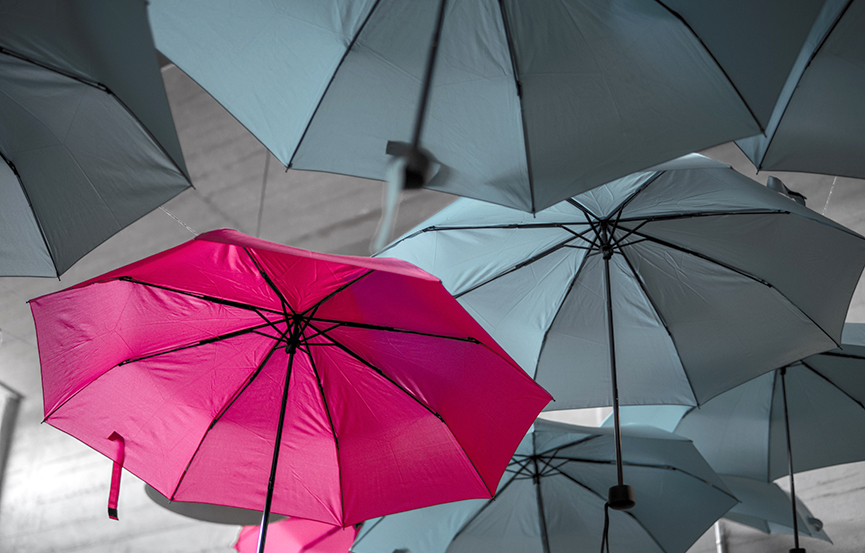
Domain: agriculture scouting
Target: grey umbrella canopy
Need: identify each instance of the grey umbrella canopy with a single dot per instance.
(806, 415)
(816, 126)
(531, 102)
(551, 500)
(664, 287)
(86, 137)
(765, 506)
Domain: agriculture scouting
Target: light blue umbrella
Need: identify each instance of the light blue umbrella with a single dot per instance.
(551, 499)
(86, 137)
(531, 102)
(804, 416)
(816, 126)
(766, 507)
(669, 286)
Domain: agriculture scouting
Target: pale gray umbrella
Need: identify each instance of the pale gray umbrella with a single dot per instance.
(669, 286)
(530, 102)
(86, 136)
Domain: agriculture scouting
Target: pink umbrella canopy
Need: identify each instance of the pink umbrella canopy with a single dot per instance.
(185, 366)
(296, 535)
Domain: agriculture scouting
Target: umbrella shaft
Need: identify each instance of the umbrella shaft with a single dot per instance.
(616, 424)
(262, 534)
(427, 82)
(790, 458)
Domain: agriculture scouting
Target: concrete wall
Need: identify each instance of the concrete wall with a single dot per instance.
(55, 491)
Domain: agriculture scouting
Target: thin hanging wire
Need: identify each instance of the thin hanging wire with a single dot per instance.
(829, 196)
(263, 188)
(178, 220)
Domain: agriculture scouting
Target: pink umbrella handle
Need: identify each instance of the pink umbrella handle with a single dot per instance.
(114, 492)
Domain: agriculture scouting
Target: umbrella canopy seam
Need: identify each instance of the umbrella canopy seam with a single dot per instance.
(330, 82)
(765, 151)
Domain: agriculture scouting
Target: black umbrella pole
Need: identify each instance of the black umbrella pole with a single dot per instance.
(621, 496)
(262, 533)
(796, 548)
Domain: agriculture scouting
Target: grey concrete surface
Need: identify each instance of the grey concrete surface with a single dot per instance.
(55, 489)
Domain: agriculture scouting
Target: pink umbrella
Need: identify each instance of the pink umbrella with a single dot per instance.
(297, 535)
(187, 366)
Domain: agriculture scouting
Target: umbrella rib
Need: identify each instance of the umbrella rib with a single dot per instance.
(333, 432)
(367, 326)
(270, 282)
(735, 270)
(537, 257)
(432, 411)
(32, 212)
(825, 37)
(830, 381)
(318, 304)
(381, 373)
(330, 82)
(695, 214)
(660, 316)
(203, 297)
(108, 91)
(204, 342)
(474, 517)
(717, 64)
(558, 310)
(513, 56)
(222, 412)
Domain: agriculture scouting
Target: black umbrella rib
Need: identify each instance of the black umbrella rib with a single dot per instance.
(381, 373)
(717, 64)
(79, 78)
(830, 381)
(205, 341)
(33, 212)
(203, 297)
(704, 257)
(737, 271)
(660, 316)
(696, 214)
(332, 430)
(642, 465)
(222, 412)
(330, 82)
(483, 508)
(558, 310)
(759, 165)
(842, 355)
(349, 324)
(514, 67)
(311, 311)
(103, 88)
(285, 305)
(537, 257)
(378, 371)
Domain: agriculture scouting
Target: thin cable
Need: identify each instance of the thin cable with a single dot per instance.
(263, 188)
(829, 196)
(178, 220)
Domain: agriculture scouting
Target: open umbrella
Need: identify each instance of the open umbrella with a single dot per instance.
(784, 421)
(669, 286)
(817, 121)
(529, 103)
(766, 507)
(297, 535)
(235, 371)
(86, 137)
(551, 499)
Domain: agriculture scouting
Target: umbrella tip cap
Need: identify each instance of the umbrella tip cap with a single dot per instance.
(621, 497)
